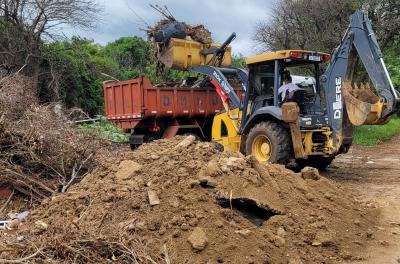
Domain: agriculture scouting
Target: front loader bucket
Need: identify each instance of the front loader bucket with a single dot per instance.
(180, 54)
(362, 105)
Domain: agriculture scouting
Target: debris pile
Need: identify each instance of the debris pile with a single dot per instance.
(40, 151)
(169, 27)
(183, 201)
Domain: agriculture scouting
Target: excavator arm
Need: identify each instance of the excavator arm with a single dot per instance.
(218, 79)
(358, 104)
(217, 75)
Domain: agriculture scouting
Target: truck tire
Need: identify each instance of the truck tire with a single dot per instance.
(270, 141)
(318, 162)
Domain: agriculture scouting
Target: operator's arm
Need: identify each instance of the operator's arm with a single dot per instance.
(293, 87)
(282, 92)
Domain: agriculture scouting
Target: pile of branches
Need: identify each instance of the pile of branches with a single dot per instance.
(41, 152)
(197, 33)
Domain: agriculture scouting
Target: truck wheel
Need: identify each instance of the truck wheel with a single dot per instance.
(318, 162)
(269, 141)
(134, 146)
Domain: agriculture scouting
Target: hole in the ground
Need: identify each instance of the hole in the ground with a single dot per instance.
(207, 185)
(255, 213)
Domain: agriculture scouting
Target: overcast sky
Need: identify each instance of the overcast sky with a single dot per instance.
(221, 17)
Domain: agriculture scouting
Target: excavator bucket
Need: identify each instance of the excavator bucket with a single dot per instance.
(182, 53)
(362, 105)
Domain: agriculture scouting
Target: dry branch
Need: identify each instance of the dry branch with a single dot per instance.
(7, 202)
(40, 149)
(21, 260)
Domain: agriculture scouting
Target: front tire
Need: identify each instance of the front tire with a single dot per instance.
(269, 141)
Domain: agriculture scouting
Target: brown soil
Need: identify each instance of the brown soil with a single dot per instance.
(373, 174)
(178, 201)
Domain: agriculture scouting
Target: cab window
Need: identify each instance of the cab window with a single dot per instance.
(262, 79)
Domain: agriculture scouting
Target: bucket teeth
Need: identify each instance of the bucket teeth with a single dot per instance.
(362, 105)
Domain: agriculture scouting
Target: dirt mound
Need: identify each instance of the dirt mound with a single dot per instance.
(181, 201)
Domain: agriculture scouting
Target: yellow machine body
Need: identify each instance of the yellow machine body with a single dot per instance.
(280, 55)
(225, 132)
(315, 148)
(362, 107)
(225, 129)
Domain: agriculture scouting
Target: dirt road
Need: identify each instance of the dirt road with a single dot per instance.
(374, 174)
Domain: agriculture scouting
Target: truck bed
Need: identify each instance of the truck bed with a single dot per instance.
(129, 102)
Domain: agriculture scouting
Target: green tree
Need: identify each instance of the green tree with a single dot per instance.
(392, 60)
(132, 55)
(320, 24)
(25, 25)
(75, 68)
(239, 61)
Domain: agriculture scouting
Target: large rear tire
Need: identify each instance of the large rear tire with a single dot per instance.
(270, 141)
(318, 162)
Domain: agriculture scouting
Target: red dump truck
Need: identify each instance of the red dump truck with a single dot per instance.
(151, 112)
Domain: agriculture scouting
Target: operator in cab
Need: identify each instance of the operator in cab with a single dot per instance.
(287, 87)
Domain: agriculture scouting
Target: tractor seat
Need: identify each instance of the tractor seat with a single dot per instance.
(298, 96)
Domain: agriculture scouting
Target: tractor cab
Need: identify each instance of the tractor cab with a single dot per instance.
(266, 73)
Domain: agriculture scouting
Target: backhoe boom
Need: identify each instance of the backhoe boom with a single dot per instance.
(346, 103)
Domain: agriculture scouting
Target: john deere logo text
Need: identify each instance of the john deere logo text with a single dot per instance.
(337, 105)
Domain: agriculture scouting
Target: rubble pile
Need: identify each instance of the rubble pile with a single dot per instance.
(183, 201)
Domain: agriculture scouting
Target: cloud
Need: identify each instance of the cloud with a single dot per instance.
(221, 17)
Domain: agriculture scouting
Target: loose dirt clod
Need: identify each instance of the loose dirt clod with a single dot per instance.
(127, 169)
(198, 239)
(40, 227)
(310, 173)
(106, 218)
(153, 197)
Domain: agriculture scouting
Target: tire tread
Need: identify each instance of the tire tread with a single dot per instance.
(282, 137)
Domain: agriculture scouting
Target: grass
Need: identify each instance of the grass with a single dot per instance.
(106, 130)
(373, 135)
(363, 135)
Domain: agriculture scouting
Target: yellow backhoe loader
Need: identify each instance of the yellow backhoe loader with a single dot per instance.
(308, 125)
